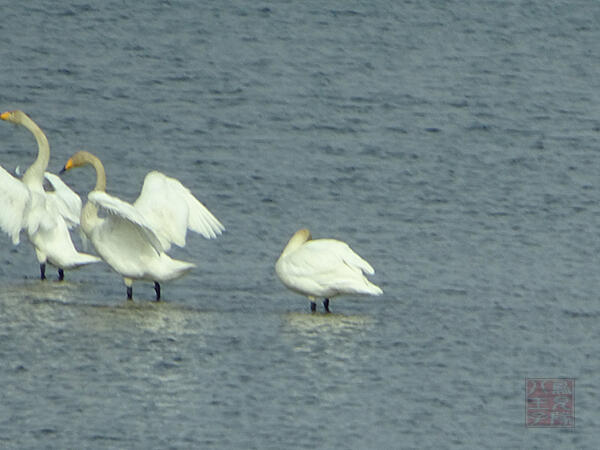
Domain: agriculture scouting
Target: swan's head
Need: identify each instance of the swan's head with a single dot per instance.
(296, 241)
(79, 159)
(302, 235)
(13, 116)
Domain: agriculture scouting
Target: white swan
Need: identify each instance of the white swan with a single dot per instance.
(133, 239)
(323, 268)
(45, 216)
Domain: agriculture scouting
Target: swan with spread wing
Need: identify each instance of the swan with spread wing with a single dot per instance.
(133, 238)
(323, 268)
(45, 216)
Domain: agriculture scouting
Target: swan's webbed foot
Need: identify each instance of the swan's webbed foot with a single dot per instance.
(157, 290)
(326, 305)
(61, 275)
(313, 307)
(42, 271)
(129, 293)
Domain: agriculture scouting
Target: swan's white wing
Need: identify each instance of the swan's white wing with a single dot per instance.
(315, 260)
(343, 252)
(326, 255)
(171, 209)
(124, 216)
(66, 202)
(14, 202)
(39, 214)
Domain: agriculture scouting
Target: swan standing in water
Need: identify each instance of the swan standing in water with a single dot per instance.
(133, 239)
(45, 216)
(323, 268)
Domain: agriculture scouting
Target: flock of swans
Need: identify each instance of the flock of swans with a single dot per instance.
(133, 239)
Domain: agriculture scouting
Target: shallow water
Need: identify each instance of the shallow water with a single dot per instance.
(454, 146)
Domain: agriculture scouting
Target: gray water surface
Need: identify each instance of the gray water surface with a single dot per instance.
(454, 145)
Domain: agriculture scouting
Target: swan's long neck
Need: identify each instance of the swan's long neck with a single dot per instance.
(299, 238)
(89, 213)
(34, 175)
(89, 218)
(100, 173)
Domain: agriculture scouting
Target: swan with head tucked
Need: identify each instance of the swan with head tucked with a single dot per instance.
(323, 268)
(133, 238)
(45, 216)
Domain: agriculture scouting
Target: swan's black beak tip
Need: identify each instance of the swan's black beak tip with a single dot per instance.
(63, 170)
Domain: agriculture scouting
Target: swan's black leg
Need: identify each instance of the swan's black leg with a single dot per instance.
(326, 304)
(157, 290)
(61, 275)
(43, 271)
(129, 293)
(313, 306)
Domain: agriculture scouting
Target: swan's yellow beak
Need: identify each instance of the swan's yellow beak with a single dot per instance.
(68, 165)
(5, 115)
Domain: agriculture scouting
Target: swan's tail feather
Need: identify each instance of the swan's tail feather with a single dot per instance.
(373, 289)
(76, 260)
(359, 286)
(170, 269)
(84, 259)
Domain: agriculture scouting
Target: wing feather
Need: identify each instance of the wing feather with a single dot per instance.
(66, 202)
(15, 200)
(171, 209)
(327, 252)
(126, 215)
